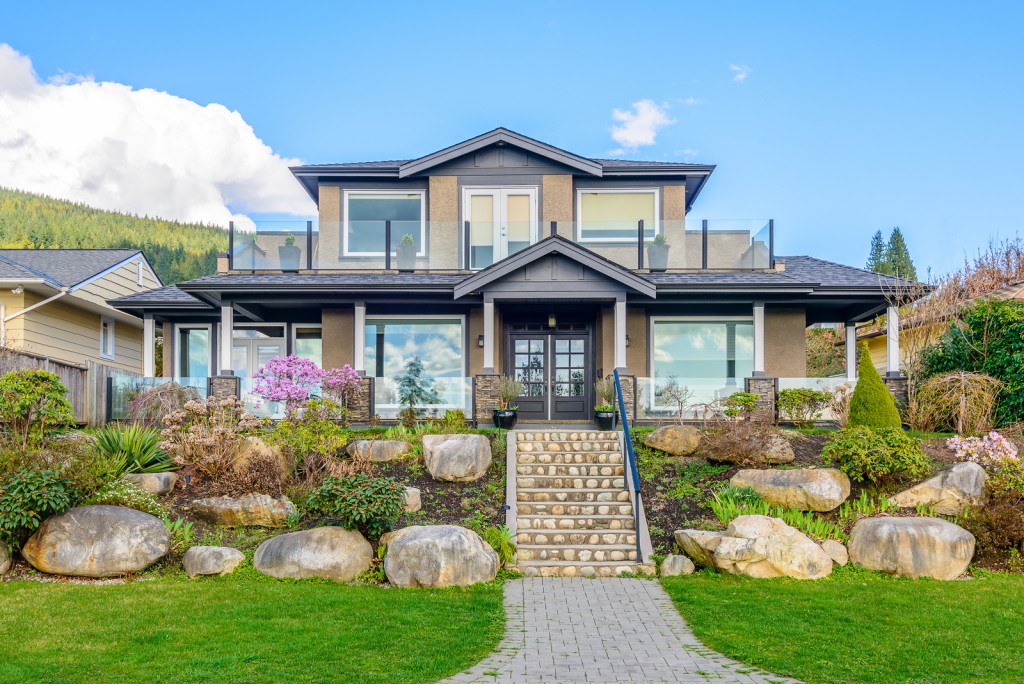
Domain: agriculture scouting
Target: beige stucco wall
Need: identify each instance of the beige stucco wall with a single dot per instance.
(168, 350)
(636, 352)
(475, 324)
(443, 200)
(557, 203)
(338, 336)
(785, 342)
(329, 241)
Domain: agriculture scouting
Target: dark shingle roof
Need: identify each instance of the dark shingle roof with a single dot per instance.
(354, 279)
(66, 267)
(831, 274)
(171, 294)
(9, 269)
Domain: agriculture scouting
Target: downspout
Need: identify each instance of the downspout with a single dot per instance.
(4, 317)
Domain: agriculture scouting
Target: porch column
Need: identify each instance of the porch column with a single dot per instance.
(149, 346)
(359, 339)
(759, 340)
(892, 342)
(620, 334)
(851, 350)
(488, 335)
(227, 325)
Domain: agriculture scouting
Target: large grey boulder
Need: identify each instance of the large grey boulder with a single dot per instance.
(330, 552)
(211, 560)
(97, 541)
(244, 511)
(438, 556)
(378, 450)
(157, 484)
(770, 448)
(678, 440)
(836, 550)
(757, 546)
(952, 490)
(806, 489)
(5, 559)
(911, 547)
(674, 566)
(456, 458)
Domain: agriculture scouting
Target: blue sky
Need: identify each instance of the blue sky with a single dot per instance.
(851, 117)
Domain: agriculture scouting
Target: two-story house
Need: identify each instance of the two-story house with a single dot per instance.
(505, 255)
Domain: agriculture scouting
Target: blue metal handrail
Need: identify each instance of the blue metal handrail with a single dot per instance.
(634, 474)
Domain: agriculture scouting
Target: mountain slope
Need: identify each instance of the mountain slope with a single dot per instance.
(178, 251)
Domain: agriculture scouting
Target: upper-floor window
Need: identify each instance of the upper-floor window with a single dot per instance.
(612, 215)
(107, 338)
(366, 214)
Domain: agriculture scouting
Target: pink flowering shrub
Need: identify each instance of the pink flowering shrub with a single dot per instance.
(341, 383)
(996, 454)
(293, 380)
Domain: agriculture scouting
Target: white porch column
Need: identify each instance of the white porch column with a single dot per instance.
(620, 334)
(851, 350)
(227, 326)
(149, 345)
(359, 339)
(892, 342)
(759, 340)
(488, 336)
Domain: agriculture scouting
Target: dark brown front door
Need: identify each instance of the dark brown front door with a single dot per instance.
(555, 369)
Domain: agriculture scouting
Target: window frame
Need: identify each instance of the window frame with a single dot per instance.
(424, 317)
(685, 319)
(394, 191)
(176, 360)
(293, 337)
(108, 323)
(647, 190)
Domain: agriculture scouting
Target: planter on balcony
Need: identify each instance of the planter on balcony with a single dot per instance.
(406, 257)
(657, 256)
(290, 256)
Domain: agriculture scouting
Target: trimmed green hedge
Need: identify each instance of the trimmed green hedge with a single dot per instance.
(872, 405)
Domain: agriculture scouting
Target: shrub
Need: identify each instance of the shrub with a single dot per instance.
(802, 405)
(33, 403)
(503, 541)
(71, 455)
(340, 384)
(312, 436)
(207, 438)
(872, 405)
(256, 470)
(996, 454)
(959, 401)
(129, 495)
(138, 448)
(999, 526)
(453, 420)
(289, 380)
(152, 404)
(508, 390)
(741, 405)
(27, 498)
(370, 504)
(876, 455)
(839, 403)
(604, 390)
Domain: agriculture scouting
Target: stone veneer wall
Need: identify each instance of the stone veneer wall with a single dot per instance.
(225, 387)
(767, 390)
(360, 404)
(628, 383)
(485, 397)
(899, 388)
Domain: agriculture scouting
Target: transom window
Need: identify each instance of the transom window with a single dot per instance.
(366, 214)
(613, 215)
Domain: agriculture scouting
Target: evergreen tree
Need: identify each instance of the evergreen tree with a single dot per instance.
(878, 257)
(898, 256)
(872, 404)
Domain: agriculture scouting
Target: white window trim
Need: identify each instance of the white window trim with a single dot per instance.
(395, 240)
(535, 227)
(293, 335)
(683, 319)
(176, 336)
(617, 191)
(104, 352)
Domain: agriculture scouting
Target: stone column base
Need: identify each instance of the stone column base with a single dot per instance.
(485, 397)
(361, 405)
(223, 387)
(899, 388)
(767, 391)
(628, 383)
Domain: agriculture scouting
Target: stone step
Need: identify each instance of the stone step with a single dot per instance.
(565, 435)
(574, 522)
(547, 482)
(580, 553)
(567, 457)
(573, 508)
(579, 495)
(573, 569)
(573, 470)
(575, 538)
(563, 447)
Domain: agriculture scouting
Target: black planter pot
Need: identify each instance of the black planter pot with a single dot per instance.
(504, 418)
(605, 419)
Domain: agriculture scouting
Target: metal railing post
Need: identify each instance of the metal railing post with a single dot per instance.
(465, 245)
(704, 244)
(231, 245)
(771, 243)
(554, 228)
(640, 244)
(387, 245)
(634, 474)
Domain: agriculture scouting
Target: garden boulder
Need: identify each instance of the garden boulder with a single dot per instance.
(5, 559)
(678, 440)
(911, 547)
(952, 490)
(836, 551)
(244, 511)
(211, 560)
(157, 484)
(413, 501)
(773, 449)
(333, 553)
(806, 489)
(456, 458)
(757, 546)
(673, 566)
(378, 450)
(97, 541)
(438, 556)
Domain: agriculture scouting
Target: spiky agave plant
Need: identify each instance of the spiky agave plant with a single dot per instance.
(503, 542)
(137, 448)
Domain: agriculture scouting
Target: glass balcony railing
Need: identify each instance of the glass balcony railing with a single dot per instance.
(699, 398)
(830, 385)
(448, 393)
(149, 399)
(472, 245)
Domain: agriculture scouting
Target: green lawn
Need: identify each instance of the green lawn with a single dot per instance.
(858, 626)
(242, 629)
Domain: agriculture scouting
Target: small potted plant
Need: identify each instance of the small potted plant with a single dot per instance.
(406, 253)
(657, 253)
(505, 415)
(604, 411)
(289, 254)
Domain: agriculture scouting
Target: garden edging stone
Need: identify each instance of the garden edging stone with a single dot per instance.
(333, 553)
(806, 489)
(438, 556)
(211, 560)
(911, 547)
(260, 510)
(950, 491)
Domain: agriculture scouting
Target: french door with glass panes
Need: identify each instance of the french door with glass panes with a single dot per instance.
(502, 221)
(555, 370)
(253, 346)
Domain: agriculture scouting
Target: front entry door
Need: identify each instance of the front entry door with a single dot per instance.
(555, 370)
(502, 221)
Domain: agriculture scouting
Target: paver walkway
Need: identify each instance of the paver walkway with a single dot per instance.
(570, 629)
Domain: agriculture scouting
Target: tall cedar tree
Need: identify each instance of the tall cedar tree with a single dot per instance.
(898, 256)
(878, 257)
(872, 405)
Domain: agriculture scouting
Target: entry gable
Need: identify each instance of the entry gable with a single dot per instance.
(558, 267)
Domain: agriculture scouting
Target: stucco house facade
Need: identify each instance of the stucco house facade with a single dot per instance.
(505, 255)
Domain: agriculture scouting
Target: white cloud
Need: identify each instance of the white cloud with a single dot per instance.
(739, 72)
(639, 126)
(690, 101)
(139, 151)
(688, 153)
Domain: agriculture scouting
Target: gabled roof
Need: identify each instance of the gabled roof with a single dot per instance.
(555, 244)
(64, 267)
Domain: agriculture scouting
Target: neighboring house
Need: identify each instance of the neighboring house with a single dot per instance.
(527, 260)
(53, 303)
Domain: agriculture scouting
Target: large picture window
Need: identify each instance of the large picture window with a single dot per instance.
(710, 358)
(613, 215)
(366, 213)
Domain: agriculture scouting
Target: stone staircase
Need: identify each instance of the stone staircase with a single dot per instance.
(573, 514)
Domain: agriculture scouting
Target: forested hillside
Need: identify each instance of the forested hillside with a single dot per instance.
(178, 251)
